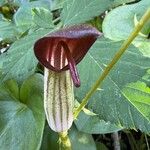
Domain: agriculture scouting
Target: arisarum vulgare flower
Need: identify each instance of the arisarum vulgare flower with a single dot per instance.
(59, 52)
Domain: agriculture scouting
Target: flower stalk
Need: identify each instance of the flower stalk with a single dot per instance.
(59, 52)
(64, 141)
(117, 56)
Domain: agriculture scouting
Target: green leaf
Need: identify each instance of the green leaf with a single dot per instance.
(27, 89)
(138, 94)
(144, 46)
(20, 2)
(1, 16)
(57, 4)
(41, 3)
(50, 139)
(94, 125)
(13, 89)
(25, 12)
(79, 140)
(146, 77)
(20, 62)
(14, 2)
(22, 124)
(109, 103)
(43, 18)
(146, 28)
(77, 11)
(2, 2)
(1, 63)
(118, 27)
(7, 30)
(24, 18)
(90, 122)
(101, 146)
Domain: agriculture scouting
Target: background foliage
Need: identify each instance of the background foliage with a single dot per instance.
(123, 102)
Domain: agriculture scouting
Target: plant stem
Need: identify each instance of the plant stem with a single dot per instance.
(116, 142)
(148, 148)
(56, 20)
(117, 56)
(64, 140)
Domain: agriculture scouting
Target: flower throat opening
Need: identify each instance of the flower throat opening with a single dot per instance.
(71, 63)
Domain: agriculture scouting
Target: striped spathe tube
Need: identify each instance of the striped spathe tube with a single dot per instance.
(58, 99)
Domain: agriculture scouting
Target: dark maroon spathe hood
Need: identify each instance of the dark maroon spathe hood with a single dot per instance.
(78, 38)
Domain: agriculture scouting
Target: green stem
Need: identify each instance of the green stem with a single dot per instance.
(56, 20)
(64, 140)
(117, 56)
(148, 148)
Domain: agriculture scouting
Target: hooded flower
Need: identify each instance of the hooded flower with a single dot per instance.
(60, 52)
(65, 48)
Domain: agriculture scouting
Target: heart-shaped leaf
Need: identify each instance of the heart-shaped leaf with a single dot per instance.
(118, 27)
(22, 116)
